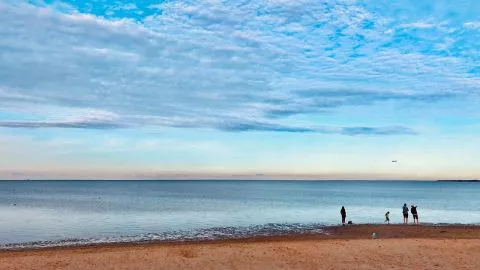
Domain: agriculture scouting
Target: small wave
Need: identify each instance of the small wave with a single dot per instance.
(216, 233)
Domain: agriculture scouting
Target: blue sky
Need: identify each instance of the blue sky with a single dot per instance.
(239, 89)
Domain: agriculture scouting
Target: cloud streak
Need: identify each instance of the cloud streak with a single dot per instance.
(225, 126)
(74, 124)
(354, 131)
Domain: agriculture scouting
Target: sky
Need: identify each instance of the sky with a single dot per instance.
(272, 89)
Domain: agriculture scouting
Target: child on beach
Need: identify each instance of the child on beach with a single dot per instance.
(387, 217)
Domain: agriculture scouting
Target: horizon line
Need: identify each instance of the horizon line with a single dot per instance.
(237, 179)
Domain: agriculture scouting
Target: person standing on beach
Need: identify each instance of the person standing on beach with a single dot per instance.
(414, 214)
(405, 214)
(343, 212)
(387, 217)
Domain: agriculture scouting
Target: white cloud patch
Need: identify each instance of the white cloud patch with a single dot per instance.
(419, 25)
(472, 25)
(93, 119)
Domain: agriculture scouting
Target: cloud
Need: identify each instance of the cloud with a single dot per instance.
(51, 124)
(257, 126)
(472, 25)
(353, 131)
(155, 6)
(419, 25)
(83, 119)
(231, 127)
(130, 6)
(252, 67)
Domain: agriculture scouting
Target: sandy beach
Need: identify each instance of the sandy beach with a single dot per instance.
(349, 247)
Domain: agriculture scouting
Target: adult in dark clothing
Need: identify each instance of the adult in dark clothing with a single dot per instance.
(405, 214)
(343, 212)
(413, 210)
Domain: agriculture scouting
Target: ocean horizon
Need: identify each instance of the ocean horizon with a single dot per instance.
(71, 212)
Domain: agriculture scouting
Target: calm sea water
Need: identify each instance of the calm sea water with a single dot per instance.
(72, 212)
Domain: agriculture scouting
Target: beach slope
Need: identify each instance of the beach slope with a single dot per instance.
(350, 247)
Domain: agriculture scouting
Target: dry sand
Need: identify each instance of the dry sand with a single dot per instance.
(350, 247)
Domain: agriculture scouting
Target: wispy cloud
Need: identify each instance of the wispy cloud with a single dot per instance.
(234, 126)
(353, 131)
(472, 25)
(419, 25)
(51, 124)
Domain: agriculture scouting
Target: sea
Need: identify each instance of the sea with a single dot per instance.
(68, 213)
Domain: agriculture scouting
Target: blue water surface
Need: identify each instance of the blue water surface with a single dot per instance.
(98, 211)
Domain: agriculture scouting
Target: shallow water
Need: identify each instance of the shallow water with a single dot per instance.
(69, 212)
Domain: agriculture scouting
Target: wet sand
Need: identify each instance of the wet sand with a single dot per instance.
(349, 247)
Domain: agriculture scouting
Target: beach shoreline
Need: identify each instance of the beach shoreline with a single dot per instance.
(452, 246)
(354, 231)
